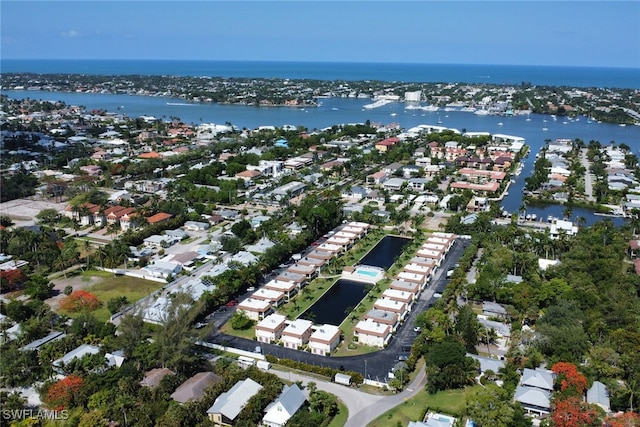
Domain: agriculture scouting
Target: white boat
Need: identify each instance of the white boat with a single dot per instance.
(533, 217)
(481, 112)
(467, 109)
(545, 129)
(394, 114)
(500, 124)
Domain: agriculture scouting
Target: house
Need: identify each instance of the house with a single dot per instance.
(159, 217)
(287, 288)
(599, 395)
(385, 317)
(372, 333)
(324, 339)
(270, 328)
(288, 403)
(193, 389)
(275, 298)
(534, 390)
(255, 309)
(77, 353)
(434, 420)
(35, 345)
(297, 333)
(228, 405)
(394, 184)
(153, 377)
(196, 226)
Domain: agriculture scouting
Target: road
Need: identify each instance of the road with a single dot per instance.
(588, 176)
(363, 407)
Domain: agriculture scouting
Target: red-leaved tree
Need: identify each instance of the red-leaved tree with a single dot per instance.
(568, 379)
(60, 395)
(573, 412)
(80, 300)
(627, 419)
(10, 280)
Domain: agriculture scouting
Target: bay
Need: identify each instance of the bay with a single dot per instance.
(350, 110)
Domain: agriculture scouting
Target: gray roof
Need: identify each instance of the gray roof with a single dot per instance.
(231, 402)
(533, 397)
(194, 387)
(487, 363)
(493, 307)
(35, 345)
(291, 399)
(539, 378)
(76, 353)
(599, 395)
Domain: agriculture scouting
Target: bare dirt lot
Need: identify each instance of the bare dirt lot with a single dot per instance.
(24, 211)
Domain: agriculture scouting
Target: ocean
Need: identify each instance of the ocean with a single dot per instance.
(582, 77)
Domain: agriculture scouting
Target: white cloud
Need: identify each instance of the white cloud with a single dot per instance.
(71, 33)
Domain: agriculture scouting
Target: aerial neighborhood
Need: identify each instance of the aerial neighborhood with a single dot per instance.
(154, 272)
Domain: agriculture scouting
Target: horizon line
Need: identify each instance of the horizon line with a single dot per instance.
(321, 62)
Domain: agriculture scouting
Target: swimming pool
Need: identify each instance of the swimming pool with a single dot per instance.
(369, 273)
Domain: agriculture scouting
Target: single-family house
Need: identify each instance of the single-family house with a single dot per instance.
(278, 413)
(193, 389)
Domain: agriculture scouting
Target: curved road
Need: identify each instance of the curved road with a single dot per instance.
(363, 407)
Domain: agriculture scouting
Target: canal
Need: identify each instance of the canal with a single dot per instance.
(344, 295)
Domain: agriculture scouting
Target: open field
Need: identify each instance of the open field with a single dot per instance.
(105, 286)
(450, 402)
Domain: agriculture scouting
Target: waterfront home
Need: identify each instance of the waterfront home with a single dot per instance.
(387, 304)
(270, 328)
(317, 263)
(255, 309)
(289, 289)
(372, 333)
(418, 269)
(324, 339)
(276, 298)
(308, 271)
(398, 295)
(297, 333)
(401, 285)
(192, 390)
(382, 316)
(427, 262)
(298, 279)
(278, 413)
(420, 279)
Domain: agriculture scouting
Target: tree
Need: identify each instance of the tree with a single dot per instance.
(240, 320)
(60, 395)
(491, 406)
(38, 287)
(573, 412)
(568, 380)
(80, 300)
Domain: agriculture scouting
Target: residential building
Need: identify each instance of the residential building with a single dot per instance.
(270, 328)
(228, 405)
(297, 333)
(255, 309)
(324, 339)
(278, 413)
(372, 333)
(193, 389)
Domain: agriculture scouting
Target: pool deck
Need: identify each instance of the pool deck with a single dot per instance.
(352, 273)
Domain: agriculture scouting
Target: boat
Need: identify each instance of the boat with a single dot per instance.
(533, 217)
(545, 129)
(394, 114)
(500, 124)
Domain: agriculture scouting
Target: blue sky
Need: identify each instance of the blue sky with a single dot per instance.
(570, 33)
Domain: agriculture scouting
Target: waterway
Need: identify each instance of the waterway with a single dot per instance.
(536, 130)
(384, 254)
(334, 306)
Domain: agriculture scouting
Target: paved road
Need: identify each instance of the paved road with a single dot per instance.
(588, 176)
(363, 407)
(374, 366)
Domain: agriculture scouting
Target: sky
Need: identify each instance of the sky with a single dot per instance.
(512, 32)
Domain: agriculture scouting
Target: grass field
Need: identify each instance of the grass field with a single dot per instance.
(340, 418)
(449, 402)
(109, 286)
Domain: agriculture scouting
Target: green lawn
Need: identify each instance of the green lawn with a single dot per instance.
(340, 419)
(449, 402)
(110, 286)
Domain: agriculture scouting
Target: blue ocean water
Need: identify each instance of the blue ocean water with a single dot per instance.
(404, 72)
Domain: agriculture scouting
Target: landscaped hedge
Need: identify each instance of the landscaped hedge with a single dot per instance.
(356, 377)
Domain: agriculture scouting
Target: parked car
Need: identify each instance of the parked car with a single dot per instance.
(251, 288)
(417, 329)
(403, 357)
